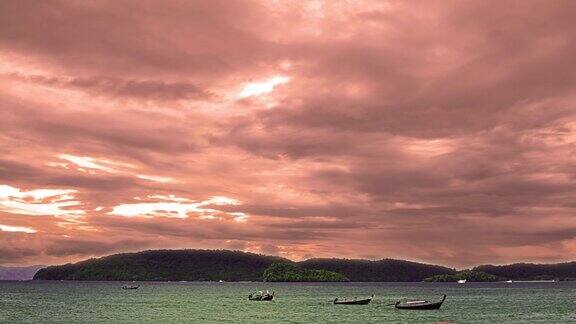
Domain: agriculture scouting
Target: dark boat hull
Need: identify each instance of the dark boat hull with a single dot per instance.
(261, 298)
(421, 306)
(354, 302)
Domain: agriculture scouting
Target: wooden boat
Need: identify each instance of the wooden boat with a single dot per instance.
(125, 287)
(261, 296)
(419, 304)
(354, 301)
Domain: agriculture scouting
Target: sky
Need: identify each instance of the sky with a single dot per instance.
(434, 131)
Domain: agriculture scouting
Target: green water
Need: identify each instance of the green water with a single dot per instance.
(106, 302)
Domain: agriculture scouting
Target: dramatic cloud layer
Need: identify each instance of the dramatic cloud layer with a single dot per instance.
(437, 131)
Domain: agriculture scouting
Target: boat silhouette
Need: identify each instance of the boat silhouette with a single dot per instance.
(420, 304)
(355, 301)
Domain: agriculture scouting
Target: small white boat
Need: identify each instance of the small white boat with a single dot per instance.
(461, 281)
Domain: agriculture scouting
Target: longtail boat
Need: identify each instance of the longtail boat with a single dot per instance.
(355, 301)
(261, 296)
(419, 304)
(130, 287)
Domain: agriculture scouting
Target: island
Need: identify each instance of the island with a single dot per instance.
(389, 270)
(225, 265)
(166, 265)
(565, 271)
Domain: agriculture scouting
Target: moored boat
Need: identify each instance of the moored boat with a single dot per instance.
(260, 296)
(126, 287)
(355, 301)
(419, 304)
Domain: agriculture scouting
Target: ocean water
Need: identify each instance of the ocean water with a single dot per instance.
(195, 302)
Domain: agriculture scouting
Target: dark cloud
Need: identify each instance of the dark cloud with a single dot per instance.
(132, 36)
(74, 247)
(11, 254)
(145, 89)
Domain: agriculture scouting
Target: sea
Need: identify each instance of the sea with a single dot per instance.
(227, 302)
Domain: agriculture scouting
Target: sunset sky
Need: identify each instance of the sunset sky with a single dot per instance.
(434, 131)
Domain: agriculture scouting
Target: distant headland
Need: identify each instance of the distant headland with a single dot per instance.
(216, 265)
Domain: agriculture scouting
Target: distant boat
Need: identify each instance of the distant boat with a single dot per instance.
(462, 281)
(260, 296)
(508, 281)
(126, 287)
(354, 301)
(419, 304)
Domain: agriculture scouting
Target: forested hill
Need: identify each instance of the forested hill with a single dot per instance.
(530, 271)
(214, 265)
(289, 272)
(382, 270)
(166, 265)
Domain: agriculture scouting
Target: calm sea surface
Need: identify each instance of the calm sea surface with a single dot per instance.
(106, 302)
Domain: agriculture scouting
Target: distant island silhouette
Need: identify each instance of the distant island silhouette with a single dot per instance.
(225, 265)
(19, 273)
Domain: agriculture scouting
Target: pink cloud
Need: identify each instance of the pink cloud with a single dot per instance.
(343, 129)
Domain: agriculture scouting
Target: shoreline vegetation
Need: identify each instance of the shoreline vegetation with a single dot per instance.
(468, 275)
(286, 272)
(225, 265)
